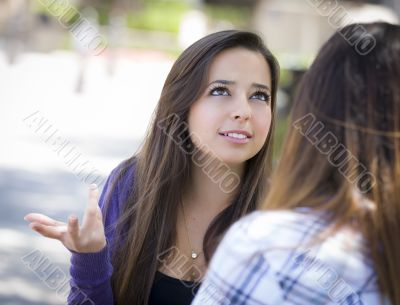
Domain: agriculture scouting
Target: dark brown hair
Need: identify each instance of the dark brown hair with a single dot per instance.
(342, 153)
(147, 221)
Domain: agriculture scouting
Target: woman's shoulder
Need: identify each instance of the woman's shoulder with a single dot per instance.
(297, 230)
(120, 181)
(287, 241)
(269, 234)
(124, 174)
(117, 189)
(280, 227)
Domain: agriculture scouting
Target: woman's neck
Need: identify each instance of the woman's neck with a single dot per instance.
(205, 192)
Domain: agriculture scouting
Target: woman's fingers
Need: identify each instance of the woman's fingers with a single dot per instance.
(87, 238)
(93, 196)
(42, 219)
(92, 208)
(73, 226)
(48, 231)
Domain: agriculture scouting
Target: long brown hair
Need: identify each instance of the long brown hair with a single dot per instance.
(342, 152)
(162, 168)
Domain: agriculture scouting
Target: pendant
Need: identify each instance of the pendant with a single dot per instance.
(194, 255)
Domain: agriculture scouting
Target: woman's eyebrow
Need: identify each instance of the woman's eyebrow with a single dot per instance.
(230, 82)
(261, 86)
(222, 81)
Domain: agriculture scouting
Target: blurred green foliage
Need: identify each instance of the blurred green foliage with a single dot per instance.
(166, 16)
(158, 16)
(281, 128)
(238, 16)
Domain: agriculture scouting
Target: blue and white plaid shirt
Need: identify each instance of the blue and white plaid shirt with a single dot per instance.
(271, 258)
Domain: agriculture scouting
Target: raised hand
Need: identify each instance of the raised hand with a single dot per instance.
(87, 238)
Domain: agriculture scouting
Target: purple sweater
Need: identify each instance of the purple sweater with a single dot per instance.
(91, 272)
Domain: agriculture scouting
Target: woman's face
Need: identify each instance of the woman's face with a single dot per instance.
(233, 116)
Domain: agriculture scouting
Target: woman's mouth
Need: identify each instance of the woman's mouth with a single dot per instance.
(235, 136)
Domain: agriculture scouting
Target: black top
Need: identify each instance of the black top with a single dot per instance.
(168, 290)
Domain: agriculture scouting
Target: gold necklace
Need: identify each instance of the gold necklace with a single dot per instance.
(194, 254)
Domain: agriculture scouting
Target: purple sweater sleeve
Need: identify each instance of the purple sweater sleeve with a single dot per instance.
(91, 272)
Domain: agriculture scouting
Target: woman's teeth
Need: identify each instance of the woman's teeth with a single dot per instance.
(236, 135)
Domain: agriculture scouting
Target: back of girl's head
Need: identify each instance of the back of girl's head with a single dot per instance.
(342, 153)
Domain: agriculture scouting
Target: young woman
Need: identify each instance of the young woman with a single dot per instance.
(203, 165)
(329, 233)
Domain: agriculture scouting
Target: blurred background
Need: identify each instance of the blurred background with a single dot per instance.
(78, 83)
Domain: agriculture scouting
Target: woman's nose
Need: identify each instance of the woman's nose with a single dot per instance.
(241, 110)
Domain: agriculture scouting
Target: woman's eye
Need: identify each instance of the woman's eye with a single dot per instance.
(262, 96)
(219, 91)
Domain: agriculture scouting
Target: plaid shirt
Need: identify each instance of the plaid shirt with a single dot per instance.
(271, 258)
